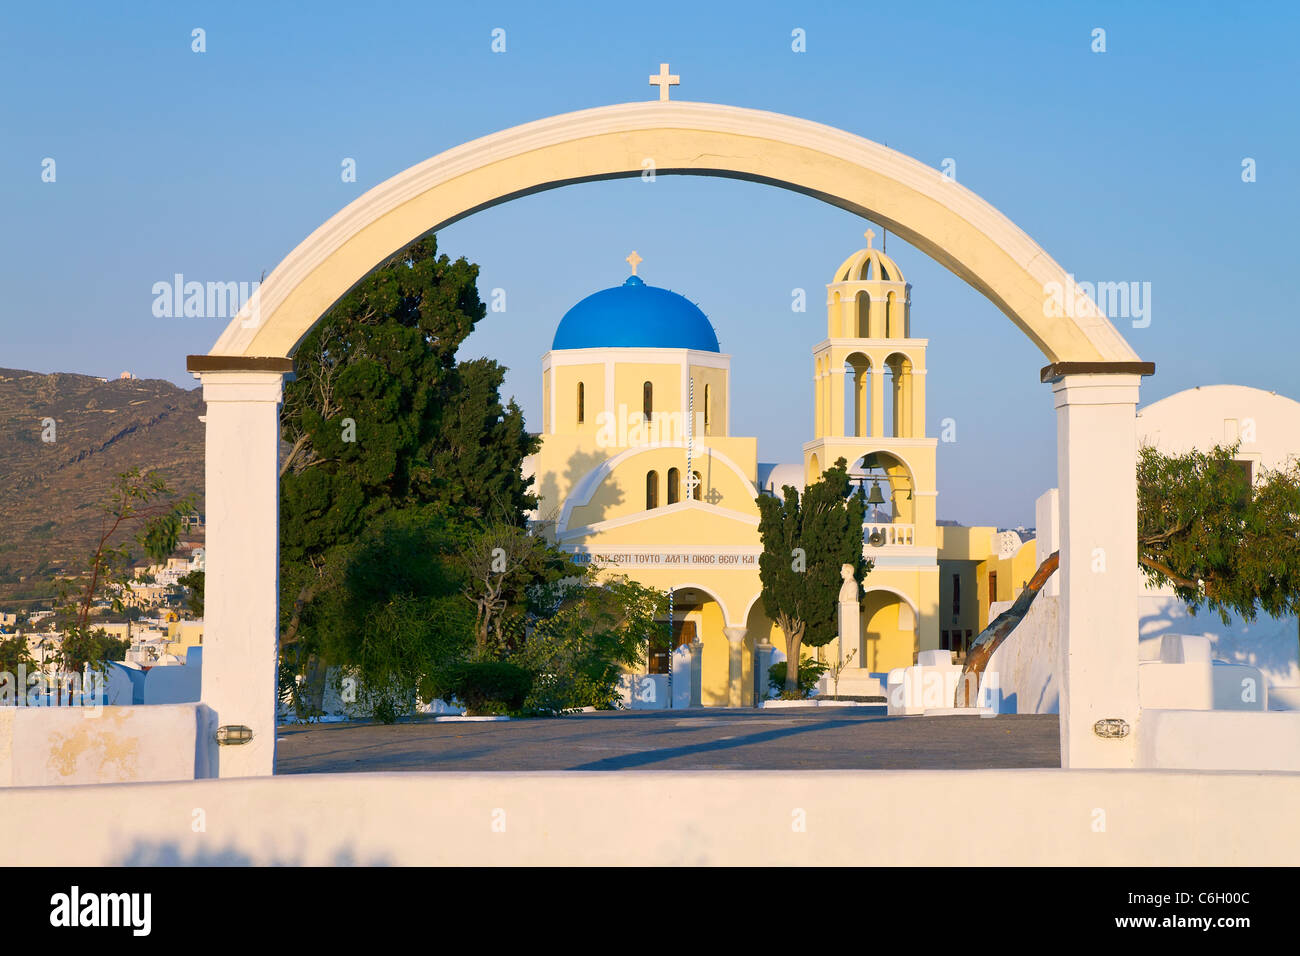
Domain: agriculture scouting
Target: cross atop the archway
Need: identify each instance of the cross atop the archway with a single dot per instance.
(663, 79)
(634, 260)
(870, 234)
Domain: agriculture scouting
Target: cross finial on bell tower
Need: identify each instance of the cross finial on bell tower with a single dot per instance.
(870, 234)
(634, 260)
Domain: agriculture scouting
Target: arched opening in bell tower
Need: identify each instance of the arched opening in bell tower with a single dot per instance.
(898, 396)
(857, 395)
(890, 484)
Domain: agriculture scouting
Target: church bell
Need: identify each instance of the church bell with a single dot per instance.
(875, 498)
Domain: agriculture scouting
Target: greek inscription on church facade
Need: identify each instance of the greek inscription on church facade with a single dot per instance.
(652, 559)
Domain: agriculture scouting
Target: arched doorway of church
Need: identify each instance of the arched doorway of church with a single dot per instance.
(889, 634)
(699, 616)
(760, 631)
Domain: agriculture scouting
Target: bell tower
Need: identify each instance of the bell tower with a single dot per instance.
(869, 408)
(869, 405)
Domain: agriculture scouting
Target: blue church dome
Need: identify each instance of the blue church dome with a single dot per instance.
(635, 315)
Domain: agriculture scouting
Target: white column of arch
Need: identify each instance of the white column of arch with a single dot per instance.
(241, 594)
(1096, 418)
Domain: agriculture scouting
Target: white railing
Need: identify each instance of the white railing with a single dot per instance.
(889, 534)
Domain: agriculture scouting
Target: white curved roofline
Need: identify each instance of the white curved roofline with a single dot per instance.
(1262, 392)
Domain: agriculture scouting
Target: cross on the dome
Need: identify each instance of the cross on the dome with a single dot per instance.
(870, 234)
(664, 80)
(634, 260)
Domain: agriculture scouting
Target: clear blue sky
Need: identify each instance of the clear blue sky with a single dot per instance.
(1125, 166)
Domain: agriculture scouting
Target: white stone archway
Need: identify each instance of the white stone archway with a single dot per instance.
(1094, 372)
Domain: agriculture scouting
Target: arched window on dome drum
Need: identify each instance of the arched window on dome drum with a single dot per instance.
(674, 486)
(708, 407)
(695, 493)
(864, 316)
(582, 402)
(651, 490)
(647, 400)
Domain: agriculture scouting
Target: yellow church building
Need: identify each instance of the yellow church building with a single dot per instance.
(639, 474)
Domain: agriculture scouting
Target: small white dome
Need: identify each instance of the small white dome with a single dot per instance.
(772, 478)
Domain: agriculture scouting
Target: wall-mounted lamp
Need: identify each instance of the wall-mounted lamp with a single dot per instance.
(233, 735)
(1111, 727)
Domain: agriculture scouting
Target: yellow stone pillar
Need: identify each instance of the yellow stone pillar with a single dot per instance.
(877, 401)
(918, 403)
(862, 385)
(817, 401)
(736, 665)
(905, 403)
(836, 390)
(876, 318)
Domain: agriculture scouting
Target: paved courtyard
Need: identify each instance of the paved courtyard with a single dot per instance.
(825, 739)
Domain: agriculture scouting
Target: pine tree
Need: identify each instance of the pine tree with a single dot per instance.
(805, 542)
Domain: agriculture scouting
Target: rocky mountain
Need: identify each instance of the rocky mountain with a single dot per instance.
(63, 439)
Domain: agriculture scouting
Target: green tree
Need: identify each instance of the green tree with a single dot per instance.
(14, 654)
(1219, 539)
(193, 583)
(579, 645)
(507, 571)
(380, 419)
(480, 446)
(390, 618)
(90, 647)
(805, 542)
